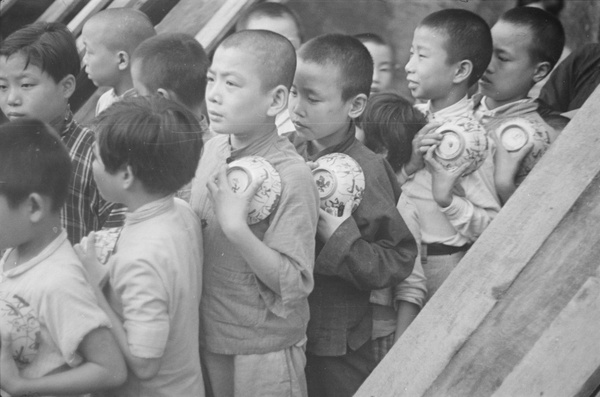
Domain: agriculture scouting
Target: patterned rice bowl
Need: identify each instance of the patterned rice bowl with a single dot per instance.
(240, 175)
(464, 140)
(518, 132)
(339, 179)
(24, 328)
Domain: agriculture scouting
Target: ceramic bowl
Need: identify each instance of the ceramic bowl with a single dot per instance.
(339, 178)
(106, 239)
(240, 175)
(518, 132)
(24, 329)
(464, 140)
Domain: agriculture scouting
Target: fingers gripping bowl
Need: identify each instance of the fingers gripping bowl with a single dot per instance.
(339, 179)
(240, 175)
(464, 141)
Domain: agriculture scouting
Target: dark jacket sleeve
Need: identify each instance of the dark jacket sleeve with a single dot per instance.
(373, 248)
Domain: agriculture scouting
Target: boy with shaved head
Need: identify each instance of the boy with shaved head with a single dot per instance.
(254, 307)
(110, 37)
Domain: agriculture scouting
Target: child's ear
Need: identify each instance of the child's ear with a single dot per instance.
(357, 105)
(68, 84)
(37, 207)
(167, 94)
(124, 60)
(279, 100)
(542, 69)
(464, 69)
(128, 177)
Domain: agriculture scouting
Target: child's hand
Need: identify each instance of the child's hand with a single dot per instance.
(424, 139)
(10, 380)
(443, 180)
(328, 222)
(86, 251)
(231, 208)
(507, 163)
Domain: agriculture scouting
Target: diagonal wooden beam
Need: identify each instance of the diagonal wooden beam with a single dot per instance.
(5, 5)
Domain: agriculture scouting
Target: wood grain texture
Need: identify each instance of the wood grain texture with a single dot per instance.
(58, 10)
(5, 5)
(515, 280)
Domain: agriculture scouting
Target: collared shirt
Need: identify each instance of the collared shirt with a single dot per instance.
(239, 313)
(372, 249)
(84, 211)
(474, 202)
(109, 97)
(53, 286)
(155, 278)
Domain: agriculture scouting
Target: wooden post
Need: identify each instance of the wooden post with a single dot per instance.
(519, 315)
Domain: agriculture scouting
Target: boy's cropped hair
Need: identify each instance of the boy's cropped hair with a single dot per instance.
(175, 62)
(370, 38)
(390, 123)
(126, 28)
(270, 10)
(33, 159)
(547, 33)
(275, 53)
(159, 139)
(47, 45)
(348, 54)
(467, 35)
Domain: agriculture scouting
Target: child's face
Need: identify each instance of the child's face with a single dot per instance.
(26, 91)
(101, 64)
(17, 220)
(509, 76)
(284, 26)
(383, 66)
(315, 104)
(235, 99)
(108, 184)
(428, 73)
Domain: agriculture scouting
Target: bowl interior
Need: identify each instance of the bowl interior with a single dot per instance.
(451, 145)
(513, 137)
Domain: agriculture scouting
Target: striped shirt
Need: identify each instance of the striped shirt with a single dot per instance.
(84, 211)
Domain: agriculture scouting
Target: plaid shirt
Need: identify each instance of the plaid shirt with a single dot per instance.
(84, 210)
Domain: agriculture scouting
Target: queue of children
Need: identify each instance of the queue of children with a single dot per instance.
(193, 300)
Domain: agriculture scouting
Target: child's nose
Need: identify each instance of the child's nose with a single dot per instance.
(294, 105)
(212, 94)
(409, 67)
(13, 97)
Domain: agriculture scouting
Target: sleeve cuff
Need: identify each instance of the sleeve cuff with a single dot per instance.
(147, 341)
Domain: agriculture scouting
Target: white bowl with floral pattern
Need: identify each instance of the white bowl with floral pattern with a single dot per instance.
(24, 327)
(339, 178)
(464, 141)
(240, 175)
(518, 132)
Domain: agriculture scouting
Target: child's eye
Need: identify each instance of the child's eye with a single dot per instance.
(312, 100)
(230, 83)
(26, 85)
(210, 79)
(3, 87)
(293, 92)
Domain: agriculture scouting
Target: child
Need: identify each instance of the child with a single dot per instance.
(527, 44)
(38, 65)
(76, 353)
(359, 252)
(278, 18)
(146, 149)
(274, 17)
(257, 278)
(449, 53)
(383, 61)
(110, 37)
(390, 123)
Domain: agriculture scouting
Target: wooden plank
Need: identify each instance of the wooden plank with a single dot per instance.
(92, 7)
(489, 269)
(189, 16)
(572, 337)
(5, 5)
(58, 10)
(223, 20)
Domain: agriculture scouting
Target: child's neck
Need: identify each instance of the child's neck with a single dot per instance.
(141, 197)
(124, 85)
(493, 104)
(239, 141)
(333, 139)
(44, 234)
(454, 96)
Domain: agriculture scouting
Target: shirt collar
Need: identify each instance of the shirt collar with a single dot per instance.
(42, 256)
(460, 108)
(341, 147)
(150, 210)
(257, 147)
(516, 108)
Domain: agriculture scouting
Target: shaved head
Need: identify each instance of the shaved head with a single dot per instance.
(274, 53)
(122, 29)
